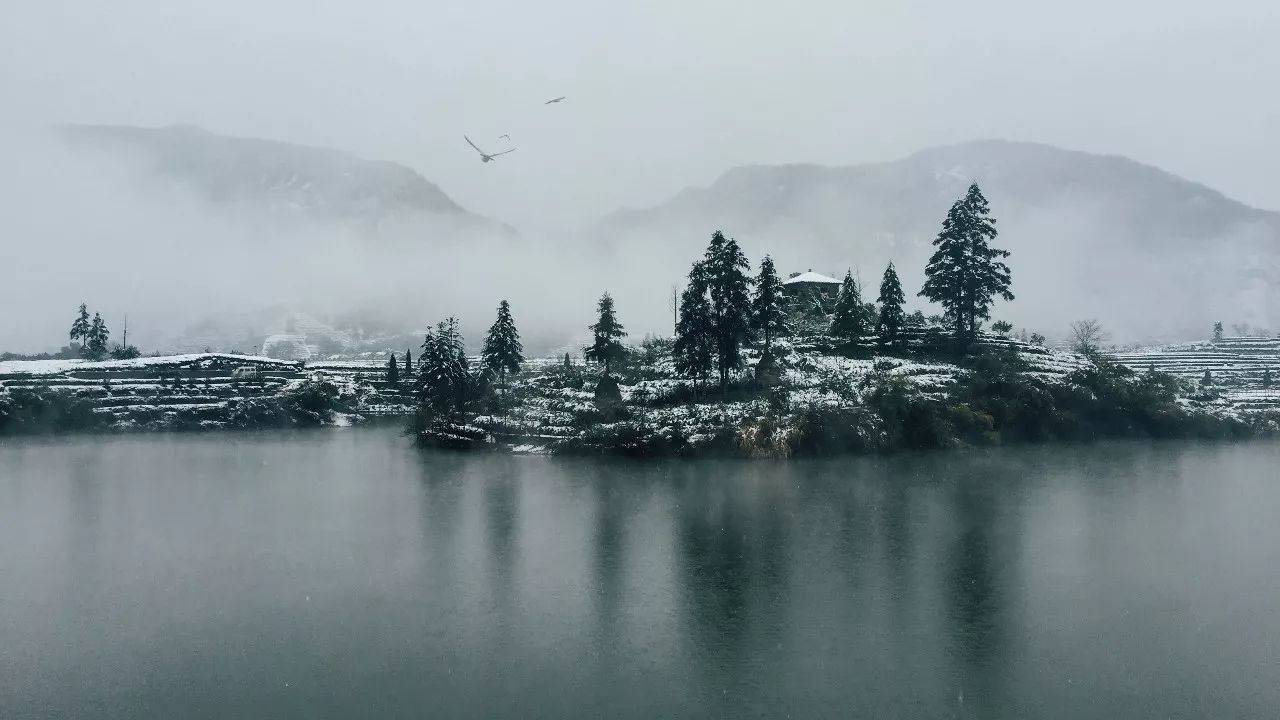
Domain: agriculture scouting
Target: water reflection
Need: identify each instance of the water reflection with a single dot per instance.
(965, 585)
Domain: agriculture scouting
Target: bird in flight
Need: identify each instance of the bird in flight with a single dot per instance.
(484, 156)
(554, 100)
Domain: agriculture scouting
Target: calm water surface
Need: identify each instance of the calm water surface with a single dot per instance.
(341, 574)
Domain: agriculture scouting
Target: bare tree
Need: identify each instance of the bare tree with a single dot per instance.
(674, 303)
(1087, 336)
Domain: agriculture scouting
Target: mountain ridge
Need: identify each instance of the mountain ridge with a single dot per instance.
(279, 176)
(1081, 225)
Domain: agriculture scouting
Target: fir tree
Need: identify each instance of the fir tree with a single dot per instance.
(848, 324)
(80, 327)
(891, 320)
(502, 348)
(98, 335)
(443, 380)
(1217, 331)
(607, 334)
(729, 286)
(393, 370)
(965, 273)
(695, 344)
(408, 364)
(768, 318)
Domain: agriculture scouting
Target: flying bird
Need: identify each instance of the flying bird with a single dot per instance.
(554, 100)
(484, 156)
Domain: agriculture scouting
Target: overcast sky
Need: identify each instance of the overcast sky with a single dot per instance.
(665, 93)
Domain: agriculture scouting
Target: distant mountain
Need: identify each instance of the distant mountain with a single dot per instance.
(1152, 255)
(280, 178)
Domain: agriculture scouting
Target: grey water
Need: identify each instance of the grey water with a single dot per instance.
(343, 574)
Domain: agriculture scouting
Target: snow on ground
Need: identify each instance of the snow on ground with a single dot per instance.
(57, 367)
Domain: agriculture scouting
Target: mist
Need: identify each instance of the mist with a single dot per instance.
(659, 97)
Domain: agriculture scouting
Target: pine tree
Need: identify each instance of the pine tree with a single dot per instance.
(393, 370)
(80, 327)
(848, 324)
(891, 320)
(965, 273)
(443, 379)
(694, 347)
(726, 269)
(408, 364)
(607, 334)
(502, 348)
(1217, 331)
(768, 318)
(98, 335)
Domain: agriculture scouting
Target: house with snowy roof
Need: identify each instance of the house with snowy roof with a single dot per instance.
(810, 282)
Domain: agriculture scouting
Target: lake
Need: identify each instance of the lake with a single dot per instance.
(343, 574)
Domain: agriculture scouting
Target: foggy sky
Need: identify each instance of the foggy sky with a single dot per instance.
(665, 94)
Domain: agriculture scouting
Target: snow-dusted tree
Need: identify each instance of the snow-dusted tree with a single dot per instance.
(502, 351)
(80, 327)
(768, 317)
(695, 344)
(98, 335)
(1087, 337)
(848, 324)
(965, 273)
(1002, 327)
(443, 380)
(729, 286)
(393, 370)
(607, 333)
(1217, 331)
(889, 323)
(408, 364)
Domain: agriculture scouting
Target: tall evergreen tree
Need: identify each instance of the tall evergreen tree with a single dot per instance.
(443, 378)
(393, 370)
(768, 317)
(98, 335)
(891, 320)
(695, 344)
(502, 348)
(965, 273)
(607, 333)
(726, 269)
(408, 364)
(80, 327)
(849, 323)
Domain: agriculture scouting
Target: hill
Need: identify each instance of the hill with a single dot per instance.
(1154, 256)
(278, 177)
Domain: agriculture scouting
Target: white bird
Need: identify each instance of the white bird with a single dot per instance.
(484, 156)
(554, 100)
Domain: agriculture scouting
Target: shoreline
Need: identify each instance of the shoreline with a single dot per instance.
(824, 404)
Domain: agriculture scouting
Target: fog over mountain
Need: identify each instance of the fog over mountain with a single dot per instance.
(1157, 256)
(207, 240)
(276, 177)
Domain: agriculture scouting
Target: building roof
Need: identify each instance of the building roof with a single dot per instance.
(811, 277)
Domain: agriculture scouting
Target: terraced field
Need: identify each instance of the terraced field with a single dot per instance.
(195, 390)
(1238, 369)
